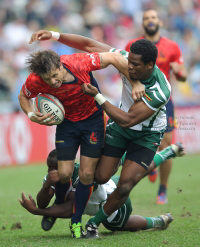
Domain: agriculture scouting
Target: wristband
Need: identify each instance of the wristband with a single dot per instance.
(31, 114)
(55, 35)
(99, 99)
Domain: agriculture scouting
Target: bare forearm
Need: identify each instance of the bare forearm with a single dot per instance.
(58, 211)
(182, 75)
(117, 115)
(43, 197)
(83, 43)
(25, 103)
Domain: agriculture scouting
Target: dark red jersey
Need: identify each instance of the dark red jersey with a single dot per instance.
(168, 51)
(78, 106)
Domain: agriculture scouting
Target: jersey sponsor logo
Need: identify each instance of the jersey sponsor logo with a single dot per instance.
(60, 141)
(93, 59)
(147, 97)
(93, 138)
(27, 92)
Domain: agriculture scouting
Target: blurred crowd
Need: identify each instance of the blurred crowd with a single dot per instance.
(114, 22)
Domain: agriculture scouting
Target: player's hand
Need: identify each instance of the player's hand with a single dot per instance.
(89, 90)
(138, 90)
(52, 178)
(28, 204)
(40, 35)
(42, 119)
(176, 67)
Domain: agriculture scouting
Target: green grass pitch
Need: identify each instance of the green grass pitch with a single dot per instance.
(184, 204)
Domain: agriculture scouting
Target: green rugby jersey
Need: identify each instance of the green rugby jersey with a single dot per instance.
(158, 91)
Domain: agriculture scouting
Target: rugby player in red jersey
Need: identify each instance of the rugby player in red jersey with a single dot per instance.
(169, 58)
(62, 77)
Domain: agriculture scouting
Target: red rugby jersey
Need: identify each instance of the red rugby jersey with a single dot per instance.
(78, 106)
(168, 51)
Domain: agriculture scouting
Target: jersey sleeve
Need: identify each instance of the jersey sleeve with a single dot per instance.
(30, 88)
(156, 97)
(177, 55)
(122, 52)
(86, 61)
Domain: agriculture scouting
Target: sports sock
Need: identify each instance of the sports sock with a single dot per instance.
(162, 189)
(163, 155)
(82, 196)
(100, 217)
(61, 191)
(154, 222)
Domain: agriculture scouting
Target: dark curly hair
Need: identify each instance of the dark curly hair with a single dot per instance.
(146, 48)
(52, 158)
(41, 62)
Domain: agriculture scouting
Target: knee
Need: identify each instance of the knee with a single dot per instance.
(101, 178)
(87, 175)
(65, 176)
(124, 189)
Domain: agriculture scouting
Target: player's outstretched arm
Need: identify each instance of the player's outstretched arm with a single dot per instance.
(72, 40)
(37, 117)
(138, 112)
(121, 64)
(58, 211)
(46, 193)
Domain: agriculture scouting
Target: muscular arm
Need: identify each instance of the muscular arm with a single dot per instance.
(137, 113)
(58, 211)
(25, 103)
(44, 195)
(82, 43)
(117, 60)
(72, 40)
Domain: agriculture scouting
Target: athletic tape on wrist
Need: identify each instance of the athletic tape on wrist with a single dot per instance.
(55, 35)
(99, 99)
(31, 114)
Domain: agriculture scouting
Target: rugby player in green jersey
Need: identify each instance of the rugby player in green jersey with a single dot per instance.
(64, 198)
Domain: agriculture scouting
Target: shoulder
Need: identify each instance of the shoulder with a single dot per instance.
(122, 52)
(33, 78)
(169, 43)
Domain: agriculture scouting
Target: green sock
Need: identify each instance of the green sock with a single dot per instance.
(154, 222)
(164, 155)
(100, 217)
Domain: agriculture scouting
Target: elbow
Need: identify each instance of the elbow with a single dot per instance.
(127, 123)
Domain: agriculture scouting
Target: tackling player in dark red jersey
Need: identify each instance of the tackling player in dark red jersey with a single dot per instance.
(62, 77)
(169, 58)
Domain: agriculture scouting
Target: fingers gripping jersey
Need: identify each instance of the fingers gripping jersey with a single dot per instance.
(158, 92)
(168, 51)
(78, 106)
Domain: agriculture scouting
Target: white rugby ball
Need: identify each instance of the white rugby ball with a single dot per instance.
(46, 103)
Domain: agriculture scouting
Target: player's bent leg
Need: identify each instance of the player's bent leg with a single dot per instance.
(108, 163)
(66, 156)
(65, 170)
(165, 170)
(88, 160)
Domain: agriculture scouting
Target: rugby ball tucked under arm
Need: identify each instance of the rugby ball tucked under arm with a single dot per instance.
(46, 103)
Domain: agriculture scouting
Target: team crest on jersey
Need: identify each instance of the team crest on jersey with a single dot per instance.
(147, 97)
(93, 138)
(161, 57)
